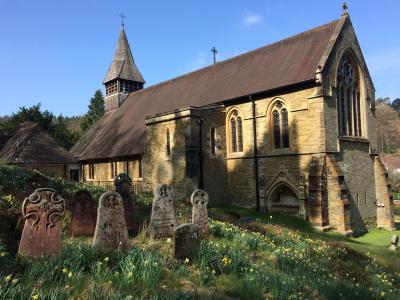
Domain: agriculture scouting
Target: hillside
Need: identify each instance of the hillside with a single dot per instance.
(246, 255)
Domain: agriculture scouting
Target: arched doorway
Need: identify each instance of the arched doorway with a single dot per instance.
(284, 199)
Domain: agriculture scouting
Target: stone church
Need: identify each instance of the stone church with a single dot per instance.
(288, 127)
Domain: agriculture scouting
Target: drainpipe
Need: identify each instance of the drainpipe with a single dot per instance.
(200, 152)
(255, 153)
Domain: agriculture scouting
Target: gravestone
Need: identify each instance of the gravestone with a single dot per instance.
(199, 200)
(111, 232)
(123, 185)
(394, 242)
(83, 220)
(163, 220)
(37, 181)
(42, 212)
(186, 241)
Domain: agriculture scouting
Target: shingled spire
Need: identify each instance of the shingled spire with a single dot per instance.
(123, 76)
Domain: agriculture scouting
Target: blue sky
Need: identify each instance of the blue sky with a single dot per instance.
(57, 52)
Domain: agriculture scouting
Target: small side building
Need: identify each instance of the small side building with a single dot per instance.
(33, 149)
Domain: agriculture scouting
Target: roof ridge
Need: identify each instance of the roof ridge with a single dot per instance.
(298, 35)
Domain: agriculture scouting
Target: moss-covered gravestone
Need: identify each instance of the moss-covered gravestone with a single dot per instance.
(83, 219)
(163, 220)
(42, 212)
(111, 233)
(199, 200)
(186, 241)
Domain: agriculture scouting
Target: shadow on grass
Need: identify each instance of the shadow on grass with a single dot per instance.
(376, 241)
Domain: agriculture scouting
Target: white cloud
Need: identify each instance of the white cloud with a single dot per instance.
(251, 19)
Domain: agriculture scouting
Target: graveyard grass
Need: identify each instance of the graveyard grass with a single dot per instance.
(274, 257)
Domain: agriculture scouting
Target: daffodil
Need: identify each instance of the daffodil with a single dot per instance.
(130, 274)
(35, 297)
(70, 275)
(106, 259)
(8, 278)
(186, 260)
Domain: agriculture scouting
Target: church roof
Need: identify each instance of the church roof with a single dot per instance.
(31, 145)
(291, 61)
(123, 66)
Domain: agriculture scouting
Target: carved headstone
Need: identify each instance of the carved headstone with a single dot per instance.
(163, 220)
(199, 200)
(111, 232)
(42, 212)
(123, 185)
(186, 241)
(37, 181)
(394, 242)
(83, 220)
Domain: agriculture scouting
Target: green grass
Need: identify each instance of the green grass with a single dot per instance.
(375, 242)
(278, 263)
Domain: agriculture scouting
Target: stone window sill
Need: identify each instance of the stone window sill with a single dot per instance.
(354, 139)
(282, 151)
(236, 155)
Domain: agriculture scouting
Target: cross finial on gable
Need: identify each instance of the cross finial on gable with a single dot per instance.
(344, 6)
(122, 19)
(214, 52)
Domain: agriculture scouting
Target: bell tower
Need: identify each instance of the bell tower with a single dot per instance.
(123, 76)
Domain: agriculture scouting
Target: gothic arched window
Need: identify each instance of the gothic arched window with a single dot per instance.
(348, 98)
(213, 140)
(280, 124)
(168, 137)
(236, 132)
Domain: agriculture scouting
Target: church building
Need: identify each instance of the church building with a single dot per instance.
(288, 127)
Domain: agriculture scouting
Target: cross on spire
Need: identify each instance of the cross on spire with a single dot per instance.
(214, 52)
(122, 19)
(344, 6)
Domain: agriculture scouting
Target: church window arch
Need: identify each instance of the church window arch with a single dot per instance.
(168, 143)
(349, 102)
(213, 141)
(235, 132)
(280, 126)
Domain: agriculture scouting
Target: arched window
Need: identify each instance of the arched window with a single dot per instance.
(213, 140)
(348, 98)
(280, 124)
(236, 133)
(168, 143)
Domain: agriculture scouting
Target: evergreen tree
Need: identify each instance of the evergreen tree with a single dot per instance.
(95, 111)
(55, 126)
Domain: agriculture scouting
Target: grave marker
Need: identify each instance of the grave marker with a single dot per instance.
(186, 241)
(83, 220)
(199, 200)
(111, 232)
(42, 212)
(163, 220)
